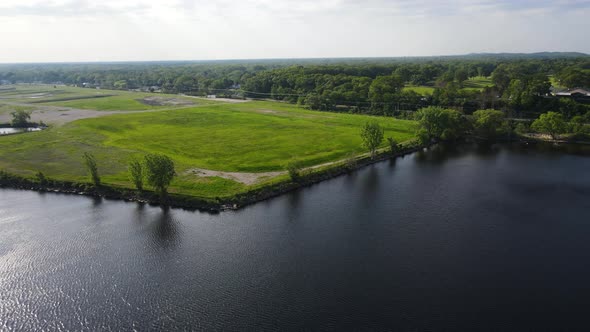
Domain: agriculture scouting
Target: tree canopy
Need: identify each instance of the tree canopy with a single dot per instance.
(488, 124)
(551, 123)
(159, 171)
(20, 118)
(372, 135)
(374, 86)
(436, 123)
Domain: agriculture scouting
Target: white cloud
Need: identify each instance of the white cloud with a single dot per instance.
(85, 30)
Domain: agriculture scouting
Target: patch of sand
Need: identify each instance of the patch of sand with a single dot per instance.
(245, 178)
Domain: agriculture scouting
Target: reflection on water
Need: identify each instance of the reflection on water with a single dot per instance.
(294, 204)
(452, 238)
(164, 228)
(370, 183)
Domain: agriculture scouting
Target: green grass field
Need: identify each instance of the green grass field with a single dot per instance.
(422, 89)
(473, 84)
(477, 83)
(555, 82)
(243, 137)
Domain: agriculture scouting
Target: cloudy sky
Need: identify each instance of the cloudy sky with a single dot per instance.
(113, 30)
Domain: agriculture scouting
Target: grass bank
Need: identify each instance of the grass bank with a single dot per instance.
(253, 194)
(251, 137)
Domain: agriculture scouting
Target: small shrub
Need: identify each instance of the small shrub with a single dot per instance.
(350, 162)
(393, 145)
(41, 177)
(294, 170)
(522, 128)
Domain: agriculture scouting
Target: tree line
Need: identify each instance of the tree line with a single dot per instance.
(157, 170)
(519, 85)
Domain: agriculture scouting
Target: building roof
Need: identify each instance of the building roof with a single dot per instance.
(572, 92)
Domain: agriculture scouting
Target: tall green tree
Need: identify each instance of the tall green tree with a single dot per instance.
(136, 174)
(437, 123)
(159, 172)
(20, 118)
(501, 77)
(92, 168)
(488, 123)
(384, 92)
(372, 135)
(551, 123)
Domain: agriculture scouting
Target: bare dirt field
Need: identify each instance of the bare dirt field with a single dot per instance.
(57, 115)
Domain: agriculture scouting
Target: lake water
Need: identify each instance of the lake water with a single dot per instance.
(455, 238)
(8, 131)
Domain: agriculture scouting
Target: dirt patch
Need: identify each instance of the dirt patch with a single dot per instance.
(161, 101)
(39, 95)
(245, 178)
(59, 115)
(225, 100)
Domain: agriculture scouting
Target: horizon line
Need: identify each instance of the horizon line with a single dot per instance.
(581, 54)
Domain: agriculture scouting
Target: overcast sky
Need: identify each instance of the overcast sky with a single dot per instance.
(113, 30)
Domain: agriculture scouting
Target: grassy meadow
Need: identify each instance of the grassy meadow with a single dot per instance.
(477, 83)
(420, 89)
(256, 136)
(472, 84)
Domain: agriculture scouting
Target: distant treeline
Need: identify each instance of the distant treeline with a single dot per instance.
(520, 84)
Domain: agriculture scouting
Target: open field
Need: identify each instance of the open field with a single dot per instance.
(250, 137)
(422, 89)
(477, 83)
(56, 105)
(473, 84)
(93, 99)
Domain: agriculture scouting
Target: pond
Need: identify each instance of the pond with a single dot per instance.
(8, 131)
(455, 238)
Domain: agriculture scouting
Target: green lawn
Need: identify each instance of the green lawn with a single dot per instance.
(555, 83)
(422, 89)
(477, 83)
(246, 137)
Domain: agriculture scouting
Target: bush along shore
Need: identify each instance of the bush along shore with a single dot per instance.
(306, 178)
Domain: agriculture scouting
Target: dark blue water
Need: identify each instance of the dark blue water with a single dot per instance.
(451, 239)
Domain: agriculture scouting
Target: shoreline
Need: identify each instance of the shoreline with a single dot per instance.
(194, 203)
(309, 177)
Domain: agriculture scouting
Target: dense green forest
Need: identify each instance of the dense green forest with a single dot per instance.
(521, 85)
